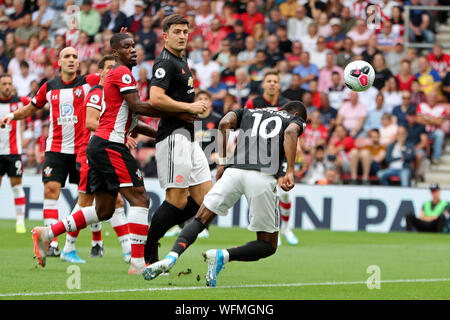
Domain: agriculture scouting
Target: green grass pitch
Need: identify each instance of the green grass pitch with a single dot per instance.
(326, 265)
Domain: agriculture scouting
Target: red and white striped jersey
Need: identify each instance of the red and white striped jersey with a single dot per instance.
(94, 100)
(66, 101)
(117, 120)
(438, 111)
(11, 136)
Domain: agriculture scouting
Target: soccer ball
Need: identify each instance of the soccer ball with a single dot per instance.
(359, 75)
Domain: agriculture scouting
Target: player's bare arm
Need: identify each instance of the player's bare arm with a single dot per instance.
(290, 147)
(19, 114)
(145, 129)
(92, 118)
(228, 122)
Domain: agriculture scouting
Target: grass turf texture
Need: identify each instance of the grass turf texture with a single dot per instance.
(322, 256)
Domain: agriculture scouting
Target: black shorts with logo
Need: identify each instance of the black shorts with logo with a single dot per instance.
(57, 166)
(112, 166)
(11, 164)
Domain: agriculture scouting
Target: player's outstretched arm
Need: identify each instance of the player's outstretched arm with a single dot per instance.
(161, 101)
(19, 114)
(290, 148)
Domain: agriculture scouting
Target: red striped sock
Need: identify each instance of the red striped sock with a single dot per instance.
(75, 222)
(120, 226)
(19, 202)
(285, 210)
(138, 226)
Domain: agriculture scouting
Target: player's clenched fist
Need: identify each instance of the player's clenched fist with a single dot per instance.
(288, 181)
(198, 107)
(6, 120)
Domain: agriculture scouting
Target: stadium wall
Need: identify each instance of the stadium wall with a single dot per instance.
(339, 208)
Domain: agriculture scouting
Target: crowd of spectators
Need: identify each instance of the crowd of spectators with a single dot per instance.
(382, 132)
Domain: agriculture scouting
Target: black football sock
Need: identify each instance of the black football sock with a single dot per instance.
(251, 251)
(163, 219)
(187, 236)
(189, 211)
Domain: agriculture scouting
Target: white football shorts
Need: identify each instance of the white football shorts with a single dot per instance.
(259, 189)
(181, 163)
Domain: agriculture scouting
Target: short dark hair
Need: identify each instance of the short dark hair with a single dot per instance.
(5, 75)
(203, 92)
(271, 72)
(261, 50)
(117, 38)
(24, 64)
(296, 106)
(173, 19)
(101, 63)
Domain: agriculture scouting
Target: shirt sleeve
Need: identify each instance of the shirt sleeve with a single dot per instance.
(94, 100)
(239, 113)
(301, 124)
(124, 80)
(25, 100)
(93, 79)
(162, 74)
(40, 99)
(435, 75)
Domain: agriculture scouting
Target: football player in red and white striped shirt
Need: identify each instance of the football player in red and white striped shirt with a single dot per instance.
(65, 97)
(94, 108)
(11, 147)
(113, 167)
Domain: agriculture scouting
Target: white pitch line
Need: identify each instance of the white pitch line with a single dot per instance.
(275, 285)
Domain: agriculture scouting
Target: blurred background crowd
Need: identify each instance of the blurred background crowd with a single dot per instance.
(390, 133)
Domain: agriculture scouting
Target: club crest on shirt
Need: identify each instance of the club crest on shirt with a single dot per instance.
(78, 92)
(126, 78)
(160, 73)
(48, 171)
(139, 174)
(191, 82)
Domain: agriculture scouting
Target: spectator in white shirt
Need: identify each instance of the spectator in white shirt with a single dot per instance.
(247, 56)
(298, 27)
(22, 82)
(319, 55)
(44, 16)
(141, 63)
(205, 69)
(309, 40)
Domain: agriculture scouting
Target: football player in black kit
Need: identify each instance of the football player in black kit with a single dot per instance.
(205, 128)
(265, 138)
(183, 169)
(272, 99)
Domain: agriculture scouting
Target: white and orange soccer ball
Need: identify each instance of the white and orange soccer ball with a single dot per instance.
(359, 75)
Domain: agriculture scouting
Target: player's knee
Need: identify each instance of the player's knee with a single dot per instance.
(104, 212)
(140, 199)
(51, 191)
